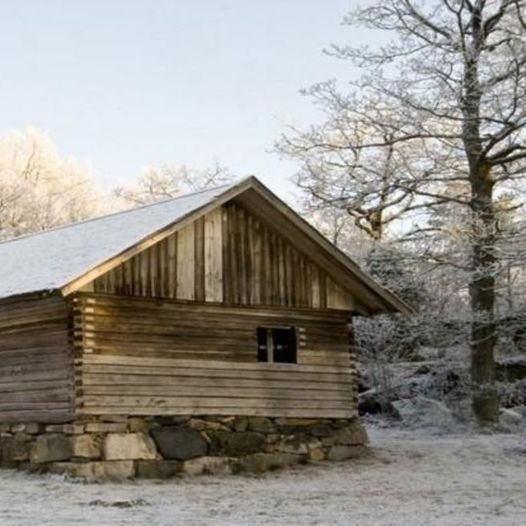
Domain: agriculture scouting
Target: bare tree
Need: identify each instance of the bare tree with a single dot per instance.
(38, 188)
(171, 180)
(452, 85)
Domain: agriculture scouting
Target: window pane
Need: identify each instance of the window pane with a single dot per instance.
(262, 344)
(284, 345)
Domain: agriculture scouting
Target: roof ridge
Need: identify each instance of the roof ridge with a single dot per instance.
(112, 214)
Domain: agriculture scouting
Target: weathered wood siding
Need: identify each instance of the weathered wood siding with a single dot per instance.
(148, 357)
(36, 361)
(228, 256)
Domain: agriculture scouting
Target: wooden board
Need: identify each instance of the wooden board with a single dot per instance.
(142, 355)
(36, 361)
(228, 256)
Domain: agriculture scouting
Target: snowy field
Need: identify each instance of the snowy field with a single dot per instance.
(411, 479)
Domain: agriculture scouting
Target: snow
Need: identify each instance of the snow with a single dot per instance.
(411, 479)
(51, 259)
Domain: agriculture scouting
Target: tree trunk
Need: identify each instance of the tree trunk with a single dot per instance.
(485, 400)
(482, 294)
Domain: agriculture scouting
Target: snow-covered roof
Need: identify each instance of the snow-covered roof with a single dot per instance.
(50, 260)
(60, 259)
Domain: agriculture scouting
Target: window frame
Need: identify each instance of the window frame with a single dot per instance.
(270, 346)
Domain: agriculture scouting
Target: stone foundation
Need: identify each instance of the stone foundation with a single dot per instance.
(161, 447)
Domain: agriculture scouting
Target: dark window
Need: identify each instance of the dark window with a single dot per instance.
(277, 345)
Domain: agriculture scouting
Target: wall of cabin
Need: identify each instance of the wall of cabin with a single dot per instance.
(141, 356)
(228, 256)
(36, 361)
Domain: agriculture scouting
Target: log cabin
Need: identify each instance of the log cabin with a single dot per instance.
(200, 327)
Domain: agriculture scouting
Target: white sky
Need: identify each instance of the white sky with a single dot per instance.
(125, 84)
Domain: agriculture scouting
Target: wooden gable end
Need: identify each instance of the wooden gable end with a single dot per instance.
(227, 256)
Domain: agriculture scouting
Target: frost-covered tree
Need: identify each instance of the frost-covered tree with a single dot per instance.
(451, 91)
(171, 180)
(39, 189)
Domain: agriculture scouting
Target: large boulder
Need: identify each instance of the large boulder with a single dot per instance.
(424, 412)
(352, 435)
(372, 403)
(158, 469)
(177, 443)
(236, 444)
(129, 446)
(209, 466)
(52, 447)
(261, 462)
(85, 446)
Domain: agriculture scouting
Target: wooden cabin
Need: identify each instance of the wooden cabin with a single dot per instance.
(222, 303)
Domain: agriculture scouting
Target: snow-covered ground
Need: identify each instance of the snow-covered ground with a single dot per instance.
(412, 479)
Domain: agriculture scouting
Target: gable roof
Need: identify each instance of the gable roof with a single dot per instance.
(66, 258)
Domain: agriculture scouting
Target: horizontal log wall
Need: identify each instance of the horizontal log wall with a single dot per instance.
(227, 256)
(36, 361)
(147, 357)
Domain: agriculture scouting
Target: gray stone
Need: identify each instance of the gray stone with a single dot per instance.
(233, 444)
(13, 451)
(261, 424)
(261, 462)
(136, 425)
(296, 422)
(106, 427)
(180, 443)
(158, 469)
(209, 466)
(73, 429)
(117, 470)
(241, 423)
(352, 435)
(321, 430)
(85, 446)
(114, 418)
(34, 429)
(338, 453)
(316, 455)
(129, 446)
(50, 448)
(206, 425)
(296, 444)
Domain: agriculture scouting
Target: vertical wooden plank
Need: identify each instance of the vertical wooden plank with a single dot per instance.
(315, 287)
(128, 277)
(241, 255)
(249, 262)
(152, 271)
(172, 265)
(143, 259)
(266, 278)
(199, 259)
(185, 263)
(301, 281)
(214, 256)
(288, 275)
(337, 298)
(226, 264)
(296, 278)
(281, 272)
(233, 249)
(256, 259)
(159, 263)
(275, 268)
(322, 277)
(308, 283)
(161, 268)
